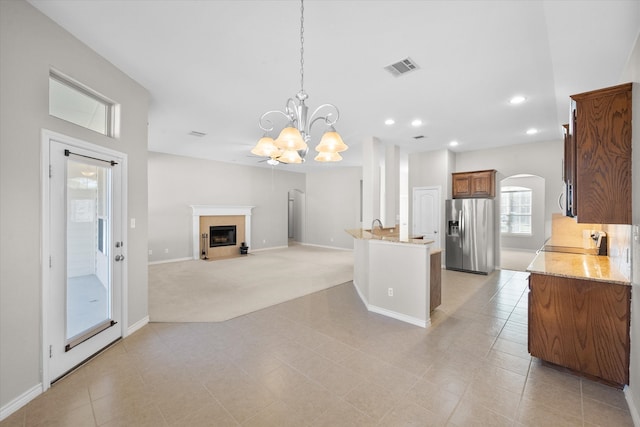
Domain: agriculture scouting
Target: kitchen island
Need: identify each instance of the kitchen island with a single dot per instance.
(392, 274)
(579, 315)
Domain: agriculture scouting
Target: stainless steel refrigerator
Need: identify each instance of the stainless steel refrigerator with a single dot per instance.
(470, 235)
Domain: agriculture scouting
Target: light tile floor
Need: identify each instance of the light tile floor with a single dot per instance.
(323, 360)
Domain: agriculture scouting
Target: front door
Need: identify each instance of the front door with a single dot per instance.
(86, 254)
(426, 213)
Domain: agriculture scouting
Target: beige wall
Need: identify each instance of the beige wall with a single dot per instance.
(30, 44)
(333, 205)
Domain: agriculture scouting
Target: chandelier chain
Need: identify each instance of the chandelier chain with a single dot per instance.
(291, 146)
(301, 45)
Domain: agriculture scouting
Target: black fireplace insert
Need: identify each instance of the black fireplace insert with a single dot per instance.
(222, 235)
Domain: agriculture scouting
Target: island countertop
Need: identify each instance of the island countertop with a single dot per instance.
(387, 235)
(578, 266)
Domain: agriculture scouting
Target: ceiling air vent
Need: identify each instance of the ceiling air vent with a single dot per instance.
(418, 137)
(401, 67)
(196, 133)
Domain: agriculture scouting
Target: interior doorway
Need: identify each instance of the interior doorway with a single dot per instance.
(521, 220)
(296, 203)
(427, 205)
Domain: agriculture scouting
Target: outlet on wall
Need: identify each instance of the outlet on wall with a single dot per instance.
(166, 250)
(390, 292)
(150, 252)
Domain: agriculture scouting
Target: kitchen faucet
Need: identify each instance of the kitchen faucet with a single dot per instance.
(374, 223)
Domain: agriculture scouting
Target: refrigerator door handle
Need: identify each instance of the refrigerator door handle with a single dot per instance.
(461, 222)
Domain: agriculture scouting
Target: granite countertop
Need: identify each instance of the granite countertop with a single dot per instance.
(387, 235)
(578, 266)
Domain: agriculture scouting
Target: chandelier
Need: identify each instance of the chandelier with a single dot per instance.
(291, 146)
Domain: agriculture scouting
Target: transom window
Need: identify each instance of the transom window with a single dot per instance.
(77, 104)
(515, 210)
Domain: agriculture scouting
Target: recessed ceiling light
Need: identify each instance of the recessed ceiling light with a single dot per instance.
(416, 123)
(389, 122)
(532, 131)
(518, 99)
(453, 143)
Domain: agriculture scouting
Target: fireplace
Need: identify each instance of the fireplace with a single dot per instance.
(222, 235)
(205, 216)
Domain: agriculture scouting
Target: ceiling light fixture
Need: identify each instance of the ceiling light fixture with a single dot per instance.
(389, 122)
(453, 143)
(416, 123)
(532, 131)
(518, 99)
(291, 145)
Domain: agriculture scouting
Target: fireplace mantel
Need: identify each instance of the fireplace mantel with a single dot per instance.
(215, 210)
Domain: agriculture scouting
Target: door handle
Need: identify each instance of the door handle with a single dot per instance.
(119, 257)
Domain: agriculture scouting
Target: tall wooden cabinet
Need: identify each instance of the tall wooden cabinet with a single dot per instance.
(598, 156)
(477, 184)
(581, 324)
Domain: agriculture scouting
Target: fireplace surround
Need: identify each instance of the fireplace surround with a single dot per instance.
(199, 211)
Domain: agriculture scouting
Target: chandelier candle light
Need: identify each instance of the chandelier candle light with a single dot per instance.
(291, 145)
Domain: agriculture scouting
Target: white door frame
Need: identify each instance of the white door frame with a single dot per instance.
(438, 189)
(45, 229)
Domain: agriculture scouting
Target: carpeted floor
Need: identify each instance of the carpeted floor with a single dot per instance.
(214, 291)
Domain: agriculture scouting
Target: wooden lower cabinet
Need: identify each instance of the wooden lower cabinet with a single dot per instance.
(581, 324)
(435, 280)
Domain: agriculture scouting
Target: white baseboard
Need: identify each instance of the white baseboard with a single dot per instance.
(20, 401)
(269, 249)
(327, 247)
(138, 325)
(399, 316)
(394, 315)
(165, 261)
(635, 411)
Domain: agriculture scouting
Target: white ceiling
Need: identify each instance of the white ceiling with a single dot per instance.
(215, 66)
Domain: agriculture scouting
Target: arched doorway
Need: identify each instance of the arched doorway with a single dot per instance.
(522, 223)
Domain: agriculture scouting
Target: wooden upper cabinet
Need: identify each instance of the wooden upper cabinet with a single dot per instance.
(478, 184)
(600, 132)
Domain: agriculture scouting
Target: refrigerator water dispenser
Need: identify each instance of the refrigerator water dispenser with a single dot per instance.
(453, 228)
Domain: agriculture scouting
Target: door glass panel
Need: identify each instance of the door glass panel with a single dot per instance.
(88, 301)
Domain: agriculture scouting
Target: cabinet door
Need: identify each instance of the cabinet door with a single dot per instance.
(435, 280)
(602, 134)
(581, 324)
(483, 184)
(461, 183)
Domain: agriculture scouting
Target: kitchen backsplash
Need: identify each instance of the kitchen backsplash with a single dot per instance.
(566, 231)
